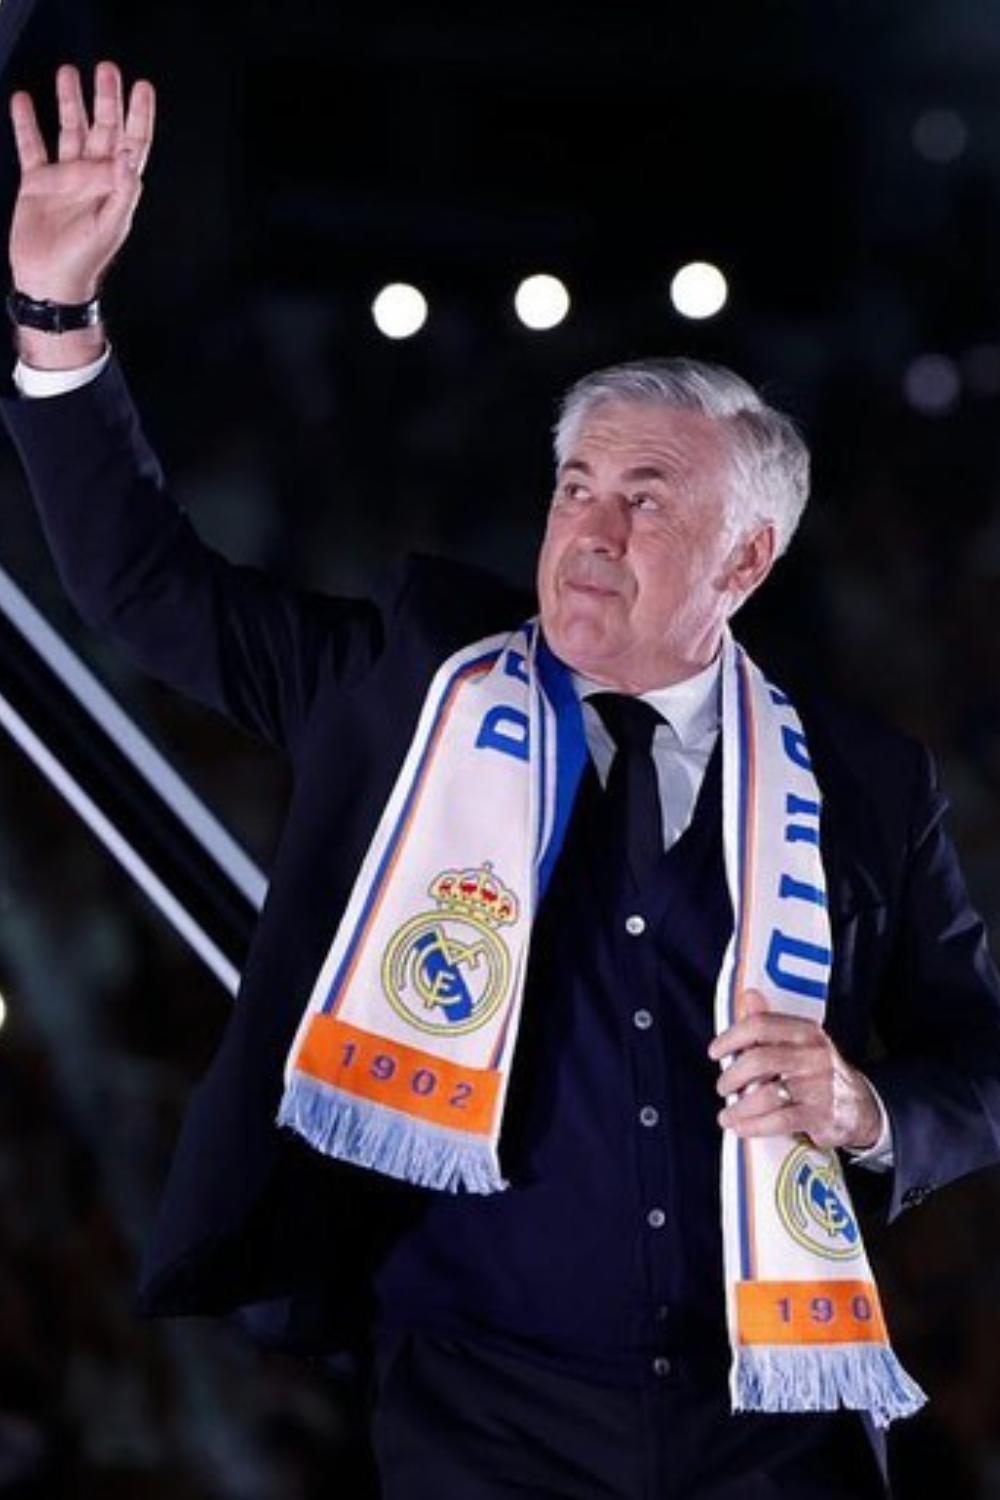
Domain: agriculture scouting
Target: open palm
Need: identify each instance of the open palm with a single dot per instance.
(74, 210)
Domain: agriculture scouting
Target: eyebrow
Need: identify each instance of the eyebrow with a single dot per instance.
(652, 471)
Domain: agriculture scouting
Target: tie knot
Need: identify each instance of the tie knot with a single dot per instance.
(630, 722)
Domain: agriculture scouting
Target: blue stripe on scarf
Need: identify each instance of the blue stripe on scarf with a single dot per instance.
(571, 755)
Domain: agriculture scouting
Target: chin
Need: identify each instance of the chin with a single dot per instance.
(583, 651)
(582, 626)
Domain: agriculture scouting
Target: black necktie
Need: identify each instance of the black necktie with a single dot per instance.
(632, 791)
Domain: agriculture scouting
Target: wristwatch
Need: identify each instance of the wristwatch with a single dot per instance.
(52, 317)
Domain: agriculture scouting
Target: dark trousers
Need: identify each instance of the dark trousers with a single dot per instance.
(460, 1421)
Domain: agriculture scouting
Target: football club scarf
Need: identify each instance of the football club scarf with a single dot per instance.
(402, 1059)
(804, 1314)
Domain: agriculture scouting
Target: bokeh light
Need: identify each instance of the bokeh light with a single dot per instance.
(541, 302)
(699, 290)
(399, 310)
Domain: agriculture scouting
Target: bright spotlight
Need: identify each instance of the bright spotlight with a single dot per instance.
(541, 302)
(699, 290)
(399, 310)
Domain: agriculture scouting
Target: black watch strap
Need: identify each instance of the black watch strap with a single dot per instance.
(52, 317)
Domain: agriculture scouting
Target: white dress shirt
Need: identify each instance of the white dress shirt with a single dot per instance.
(682, 744)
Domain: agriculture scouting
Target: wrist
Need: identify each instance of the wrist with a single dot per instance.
(52, 335)
(60, 351)
(869, 1116)
(65, 285)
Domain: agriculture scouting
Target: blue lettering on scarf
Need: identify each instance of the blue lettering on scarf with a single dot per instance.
(790, 889)
(785, 951)
(794, 742)
(516, 665)
(801, 833)
(504, 729)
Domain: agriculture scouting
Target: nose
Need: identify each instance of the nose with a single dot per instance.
(607, 526)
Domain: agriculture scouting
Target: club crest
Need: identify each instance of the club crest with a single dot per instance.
(813, 1205)
(447, 971)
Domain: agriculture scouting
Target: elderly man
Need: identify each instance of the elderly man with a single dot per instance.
(556, 1036)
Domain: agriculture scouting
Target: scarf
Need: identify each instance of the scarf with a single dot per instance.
(402, 1058)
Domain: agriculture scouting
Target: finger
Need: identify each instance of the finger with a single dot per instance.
(115, 214)
(30, 143)
(748, 1003)
(108, 126)
(126, 186)
(72, 114)
(758, 1065)
(763, 1030)
(140, 122)
(766, 1111)
(740, 1114)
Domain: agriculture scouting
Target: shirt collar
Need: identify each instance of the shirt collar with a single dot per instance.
(691, 707)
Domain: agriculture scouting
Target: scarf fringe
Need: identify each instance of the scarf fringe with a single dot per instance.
(370, 1135)
(862, 1377)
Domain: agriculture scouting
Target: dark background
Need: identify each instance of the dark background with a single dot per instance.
(308, 151)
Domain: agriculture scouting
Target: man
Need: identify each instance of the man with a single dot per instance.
(514, 1010)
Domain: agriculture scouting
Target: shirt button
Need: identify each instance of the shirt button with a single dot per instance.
(649, 1116)
(656, 1218)
(635, 925)
(661, 1365)
(642, 1020)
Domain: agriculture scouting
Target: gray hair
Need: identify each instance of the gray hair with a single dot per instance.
(770, 461)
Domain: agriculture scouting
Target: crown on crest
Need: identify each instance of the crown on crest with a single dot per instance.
(475, 893)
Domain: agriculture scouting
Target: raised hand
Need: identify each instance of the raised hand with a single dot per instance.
(73, 211)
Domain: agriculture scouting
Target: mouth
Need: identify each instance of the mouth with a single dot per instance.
(590, 588)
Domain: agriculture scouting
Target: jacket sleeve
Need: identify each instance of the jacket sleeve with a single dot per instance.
(939, 1017)
(136, 570)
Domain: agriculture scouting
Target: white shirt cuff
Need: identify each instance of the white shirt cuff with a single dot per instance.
(43, 383)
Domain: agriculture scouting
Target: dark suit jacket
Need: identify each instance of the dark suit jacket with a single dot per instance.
(250, 1217)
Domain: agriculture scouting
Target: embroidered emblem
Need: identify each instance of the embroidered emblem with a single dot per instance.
(813, 1205)
(448, 971)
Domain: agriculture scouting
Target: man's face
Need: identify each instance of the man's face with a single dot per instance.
(640, 566)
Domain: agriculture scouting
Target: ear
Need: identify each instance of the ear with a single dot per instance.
(750, 561)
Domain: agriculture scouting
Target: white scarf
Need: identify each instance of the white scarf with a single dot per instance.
(402, 1060)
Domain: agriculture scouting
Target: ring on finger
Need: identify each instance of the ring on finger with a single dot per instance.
(783, 1092)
